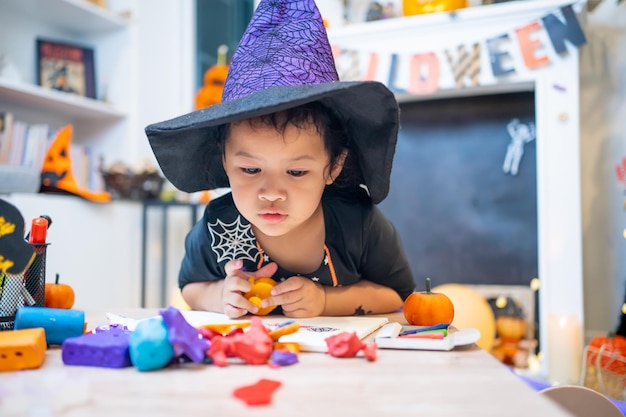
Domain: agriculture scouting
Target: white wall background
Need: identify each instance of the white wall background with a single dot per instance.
(603, 145)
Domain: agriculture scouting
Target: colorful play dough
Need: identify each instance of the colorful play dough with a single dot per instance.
(22, 349)
(261, 289)
(59, 324)
(183, 336)
(259, 393)
(254, 346)
(107, 349)
(149, 346)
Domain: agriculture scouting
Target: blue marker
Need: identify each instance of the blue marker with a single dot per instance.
(285, 323)
(442, 326)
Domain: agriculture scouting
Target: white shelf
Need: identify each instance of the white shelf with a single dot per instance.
(72, 106)
(75, 15)
(517, 10)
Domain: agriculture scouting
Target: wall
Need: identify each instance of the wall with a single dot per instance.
(603, 145)
(165, 65)
(166, 89)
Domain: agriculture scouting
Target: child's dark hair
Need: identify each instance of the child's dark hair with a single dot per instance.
(328, 125)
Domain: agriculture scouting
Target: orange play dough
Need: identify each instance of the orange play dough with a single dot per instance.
(261, 289)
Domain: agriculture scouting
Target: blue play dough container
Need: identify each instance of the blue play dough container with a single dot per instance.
(58, 324)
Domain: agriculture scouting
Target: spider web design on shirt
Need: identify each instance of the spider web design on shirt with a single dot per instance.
(284, 44)
(233, 241)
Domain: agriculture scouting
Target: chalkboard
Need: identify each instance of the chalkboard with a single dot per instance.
(462, 218)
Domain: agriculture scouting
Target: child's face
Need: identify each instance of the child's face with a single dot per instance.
(276, 179)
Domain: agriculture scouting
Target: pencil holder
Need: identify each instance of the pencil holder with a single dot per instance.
(25, 289)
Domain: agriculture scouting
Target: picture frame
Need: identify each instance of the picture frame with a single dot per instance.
(66, 67)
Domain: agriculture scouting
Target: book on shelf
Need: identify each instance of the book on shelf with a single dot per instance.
(16, 147)
(6, 130)
(23, 144)
(36, 143)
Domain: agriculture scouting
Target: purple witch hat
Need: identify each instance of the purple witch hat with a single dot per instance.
(283, 60)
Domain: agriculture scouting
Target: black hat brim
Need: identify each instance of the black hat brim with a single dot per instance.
(186, 149)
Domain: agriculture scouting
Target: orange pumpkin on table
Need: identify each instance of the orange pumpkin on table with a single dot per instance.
(58, 295)
(428, 308)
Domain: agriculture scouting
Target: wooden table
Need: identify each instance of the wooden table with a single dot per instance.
(465, 382)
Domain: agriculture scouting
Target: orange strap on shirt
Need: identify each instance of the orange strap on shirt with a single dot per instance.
(262, 255)
(331, 267)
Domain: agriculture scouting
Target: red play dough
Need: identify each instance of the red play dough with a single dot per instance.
(348, 345)
(369, 351)
(255, 345)
(259, 393)
(344, 345)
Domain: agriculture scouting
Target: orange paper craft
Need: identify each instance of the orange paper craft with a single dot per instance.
(57, 175)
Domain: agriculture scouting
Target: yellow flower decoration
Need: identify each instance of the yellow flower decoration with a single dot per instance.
(6, 228)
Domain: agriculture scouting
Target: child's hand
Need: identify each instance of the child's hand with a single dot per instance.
(236, 284)
(298, 297)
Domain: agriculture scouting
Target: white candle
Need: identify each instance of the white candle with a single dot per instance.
(564, 349)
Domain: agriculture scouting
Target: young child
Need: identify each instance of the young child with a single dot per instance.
(306, 158)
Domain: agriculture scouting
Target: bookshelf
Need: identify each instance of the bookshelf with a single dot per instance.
(72, 107)
(97, 247)
(103, 124)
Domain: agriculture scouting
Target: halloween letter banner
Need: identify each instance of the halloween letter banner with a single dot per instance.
(421, 72)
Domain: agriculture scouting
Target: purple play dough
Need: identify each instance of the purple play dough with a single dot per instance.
(183, 336)
(284, 358)
(106, 349)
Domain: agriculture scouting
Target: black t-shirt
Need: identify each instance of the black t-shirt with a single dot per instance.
(362, 245)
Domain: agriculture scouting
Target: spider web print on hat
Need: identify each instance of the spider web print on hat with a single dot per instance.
(284, 44)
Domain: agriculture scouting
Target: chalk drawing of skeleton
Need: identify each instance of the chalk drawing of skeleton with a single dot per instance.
(521, 133)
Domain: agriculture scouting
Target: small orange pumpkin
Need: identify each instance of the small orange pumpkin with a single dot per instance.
(261, 288)
(428, 308)
(612, 351)
(213, 82)
(58, 295)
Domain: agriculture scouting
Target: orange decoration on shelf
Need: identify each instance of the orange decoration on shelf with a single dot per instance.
(213, 83)
(428, 308)
(261, 288)
(58, 295)
(57, 175)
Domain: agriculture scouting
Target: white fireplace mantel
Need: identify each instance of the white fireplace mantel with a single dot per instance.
(556, 88)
